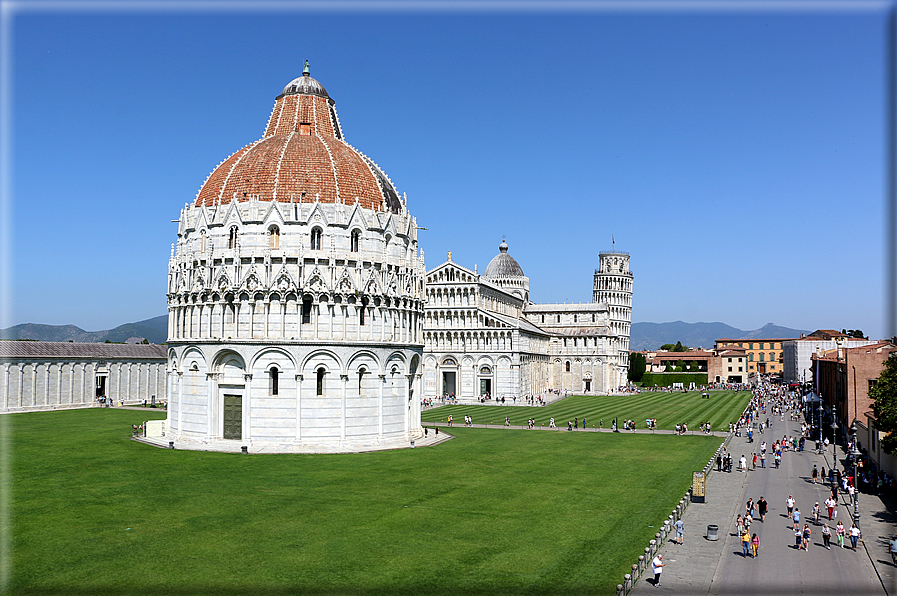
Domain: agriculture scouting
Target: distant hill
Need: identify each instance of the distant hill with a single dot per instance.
(154, 330)
(650, 336)
(644, 336)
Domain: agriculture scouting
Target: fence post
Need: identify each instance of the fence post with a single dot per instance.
(641, 564)
(627, 583)
(619, 589)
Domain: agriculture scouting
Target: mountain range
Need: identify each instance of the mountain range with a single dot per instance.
(643, 336)
(650, 336)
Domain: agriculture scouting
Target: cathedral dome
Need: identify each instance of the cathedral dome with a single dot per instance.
(301, 157)
(503, 264)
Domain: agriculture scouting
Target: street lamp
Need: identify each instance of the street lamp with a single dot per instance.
(834, 435)
(856, 481)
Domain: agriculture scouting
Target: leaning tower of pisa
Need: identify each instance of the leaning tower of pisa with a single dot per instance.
(613, 286)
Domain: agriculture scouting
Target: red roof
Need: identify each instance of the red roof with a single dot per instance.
(301, 155)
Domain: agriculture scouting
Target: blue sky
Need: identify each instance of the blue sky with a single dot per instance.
(737, 155)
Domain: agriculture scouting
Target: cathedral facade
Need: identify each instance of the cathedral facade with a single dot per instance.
(296, 294)
(484, 338)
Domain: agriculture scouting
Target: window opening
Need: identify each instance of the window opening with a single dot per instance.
(306, 310)
(273, 381)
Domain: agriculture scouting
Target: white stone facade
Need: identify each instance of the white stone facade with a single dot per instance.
(483, 337)
(295, 295)
(53, 375)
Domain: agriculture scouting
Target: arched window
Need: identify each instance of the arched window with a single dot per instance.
(320, 384)
(574, 318)
(232, 237)
(316, 235)
(567, 366)
(559, 318)
(361, 373)
(353, 243)
(274, 241)
(361, 309)
(273, 380)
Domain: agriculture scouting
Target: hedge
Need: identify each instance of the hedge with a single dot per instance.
(667, 379)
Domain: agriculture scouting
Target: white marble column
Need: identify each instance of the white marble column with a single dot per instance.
(246, 410)
(299, 380)
(342, 424)
(380, 407)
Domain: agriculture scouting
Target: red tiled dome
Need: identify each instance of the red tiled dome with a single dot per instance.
(301, 156)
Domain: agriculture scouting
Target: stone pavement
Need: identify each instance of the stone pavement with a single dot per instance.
(701, 566)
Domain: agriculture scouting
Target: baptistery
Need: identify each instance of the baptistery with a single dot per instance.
(295, 295)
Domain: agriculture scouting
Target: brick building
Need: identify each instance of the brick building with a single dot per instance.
(845, 376)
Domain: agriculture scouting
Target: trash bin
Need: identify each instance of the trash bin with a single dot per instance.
(712, 532)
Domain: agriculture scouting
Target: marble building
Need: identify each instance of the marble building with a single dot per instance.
(296, 294)
(484, 337)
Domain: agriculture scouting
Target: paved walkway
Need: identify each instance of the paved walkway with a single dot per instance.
(701, 566)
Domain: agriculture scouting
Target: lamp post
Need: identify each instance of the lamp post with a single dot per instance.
(819, 422)
(834, 435)
(856, 481)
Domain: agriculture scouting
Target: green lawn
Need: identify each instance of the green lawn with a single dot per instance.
(670, 409)
(515, 512)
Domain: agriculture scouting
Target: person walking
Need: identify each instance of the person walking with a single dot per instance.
(745, 543)
(657, 568)
(762, 506)
(815, 473)
(855, 535)
(826, 537)
(680, 529)
(755, 545)
(816, 513)
(840, 530)
(830, 505)
(742, 464)
(796, 518)
(805, 538)
(789, 502)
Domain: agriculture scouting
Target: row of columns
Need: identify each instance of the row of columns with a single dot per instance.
(214, 401)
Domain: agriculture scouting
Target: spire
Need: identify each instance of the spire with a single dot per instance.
(305, 72)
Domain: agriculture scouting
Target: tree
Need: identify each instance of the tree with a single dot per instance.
(674, 348)
(855, 333)
(637, 366)
(885, 407)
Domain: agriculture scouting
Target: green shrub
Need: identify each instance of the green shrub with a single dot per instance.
(667, 379)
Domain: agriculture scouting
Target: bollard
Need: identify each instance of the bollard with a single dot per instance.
(244, 449)
(171, 444)
(627, 582)
(641, 563)
(619, 589)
